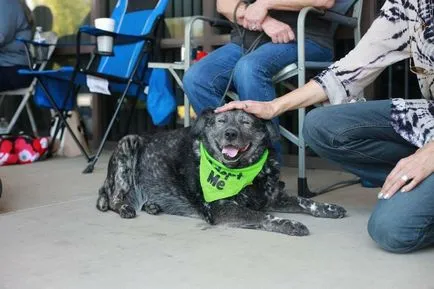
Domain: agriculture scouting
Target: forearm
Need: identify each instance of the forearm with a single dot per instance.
(227, 8)
(307, 95)
(295, 5)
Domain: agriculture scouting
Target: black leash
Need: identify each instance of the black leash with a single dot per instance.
(241, 33)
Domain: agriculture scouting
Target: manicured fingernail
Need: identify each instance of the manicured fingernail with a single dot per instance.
(380, 195)
(386, 197)
(403, 190)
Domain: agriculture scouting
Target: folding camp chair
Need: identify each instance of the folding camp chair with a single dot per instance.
(38, 56)
(125, 71)
(336, 15)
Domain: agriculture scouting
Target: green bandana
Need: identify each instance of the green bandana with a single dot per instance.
(220, 182)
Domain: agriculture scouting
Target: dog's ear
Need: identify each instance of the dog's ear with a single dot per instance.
(272, 130)
(203, 120)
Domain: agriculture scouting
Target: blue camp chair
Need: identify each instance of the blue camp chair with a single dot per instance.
(126, 69)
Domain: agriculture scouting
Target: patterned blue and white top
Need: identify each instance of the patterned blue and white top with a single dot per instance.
(404, 29)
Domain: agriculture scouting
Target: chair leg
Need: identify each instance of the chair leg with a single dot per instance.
(2, 98)
(54, 136)
(63, 118)
(91, 165)
(303, 188)
(130, 117)
(95, 158)
(17, 113)
(32, 120)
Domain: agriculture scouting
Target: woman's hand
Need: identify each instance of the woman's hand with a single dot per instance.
(264, 110)
(254, 16)
(241, 12)
(409, 172)
(278, 31)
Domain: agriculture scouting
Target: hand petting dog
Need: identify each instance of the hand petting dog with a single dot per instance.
(260, 109)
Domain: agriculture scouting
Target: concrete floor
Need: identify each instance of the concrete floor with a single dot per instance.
(51, 236)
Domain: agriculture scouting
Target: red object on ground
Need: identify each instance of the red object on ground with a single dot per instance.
(6, 155)
(21, 149)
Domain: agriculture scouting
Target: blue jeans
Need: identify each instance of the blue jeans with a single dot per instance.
(361, 139)
(206, 80)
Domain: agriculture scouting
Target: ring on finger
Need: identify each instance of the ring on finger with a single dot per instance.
(405, 178)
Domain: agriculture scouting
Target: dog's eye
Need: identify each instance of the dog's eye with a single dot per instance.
(245, 122)
(221, 121)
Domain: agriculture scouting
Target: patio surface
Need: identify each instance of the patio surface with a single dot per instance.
(52, 236)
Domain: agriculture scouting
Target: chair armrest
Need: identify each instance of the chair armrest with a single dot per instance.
(119, 38)
(330, 16)
(46, 44)
(322, 14)
(43, 46)
(216, 22)
(31, 42)
(339, 19)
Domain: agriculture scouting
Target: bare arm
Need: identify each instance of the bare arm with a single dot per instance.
(309, 94)
(295, 5)
(256, 13)
(227, 7)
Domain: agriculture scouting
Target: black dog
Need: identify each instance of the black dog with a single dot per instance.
(160, 173)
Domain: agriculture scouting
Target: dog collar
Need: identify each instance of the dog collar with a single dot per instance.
(220, 182)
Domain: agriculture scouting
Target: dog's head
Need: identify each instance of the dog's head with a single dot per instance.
(235, 138)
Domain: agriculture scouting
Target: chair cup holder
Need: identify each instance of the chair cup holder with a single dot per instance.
(104, 45)
(104, 53)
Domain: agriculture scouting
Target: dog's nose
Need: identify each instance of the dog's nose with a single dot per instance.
(231, 134)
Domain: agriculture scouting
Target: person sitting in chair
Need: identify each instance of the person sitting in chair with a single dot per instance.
(206, 81)
(15, 21)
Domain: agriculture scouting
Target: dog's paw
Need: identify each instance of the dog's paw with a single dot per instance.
(102, 204)
(207, 214)
(328, 211)
(295, 228)
(287, 227)
(151, 208)
(127, 212)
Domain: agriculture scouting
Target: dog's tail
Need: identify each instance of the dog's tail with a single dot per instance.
(102, 202)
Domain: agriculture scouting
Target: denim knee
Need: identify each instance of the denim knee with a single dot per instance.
(247, 71)
(250, 80)
(391, 233)
(196, 89)
(314, 128)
